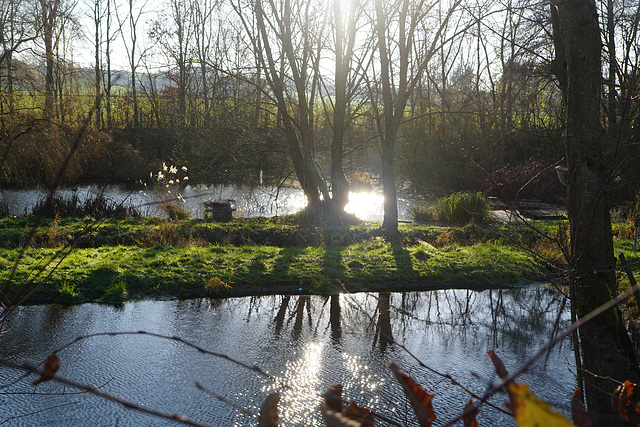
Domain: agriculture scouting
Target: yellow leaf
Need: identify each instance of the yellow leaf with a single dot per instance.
(529, 411)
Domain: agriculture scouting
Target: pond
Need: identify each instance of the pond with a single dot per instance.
(249, 201)
(305, 343)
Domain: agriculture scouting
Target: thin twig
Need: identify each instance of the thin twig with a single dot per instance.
(26, 366)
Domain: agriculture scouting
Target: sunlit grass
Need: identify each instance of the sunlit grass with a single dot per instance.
(185, 271)
(155, 258)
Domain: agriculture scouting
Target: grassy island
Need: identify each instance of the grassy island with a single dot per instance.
(115, 260)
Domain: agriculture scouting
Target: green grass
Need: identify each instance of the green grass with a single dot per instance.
(211, 262)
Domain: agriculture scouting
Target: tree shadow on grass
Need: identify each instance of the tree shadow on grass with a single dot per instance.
(282, 268)
(404, 263)
(99, 280)
(333, 269)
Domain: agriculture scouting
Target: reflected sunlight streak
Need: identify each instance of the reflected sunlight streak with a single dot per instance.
(303, 378)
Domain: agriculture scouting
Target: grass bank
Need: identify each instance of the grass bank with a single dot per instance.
(119, 260)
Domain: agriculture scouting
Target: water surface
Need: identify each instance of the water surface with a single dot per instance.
(249, 201)
(307, 343)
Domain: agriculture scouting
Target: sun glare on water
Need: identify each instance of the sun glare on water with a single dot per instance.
(302, 376)
(365, 205)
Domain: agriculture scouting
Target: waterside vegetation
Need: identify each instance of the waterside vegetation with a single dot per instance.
(142, 257)
(157, 258)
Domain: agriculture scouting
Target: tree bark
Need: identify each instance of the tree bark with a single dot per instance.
(612, 129)
(107, 91)
(339, 183)
(606, 348)
(97, 17)
(49, 12)
(298, 131)
(390, 110)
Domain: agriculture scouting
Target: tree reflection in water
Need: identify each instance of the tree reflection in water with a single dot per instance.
(450, 331)
(307, 342)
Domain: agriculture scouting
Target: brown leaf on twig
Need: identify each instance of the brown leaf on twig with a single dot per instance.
(469, 414)
(269, 411)
(51, 366)
(497, 363)
(333, 398)
(626, 401)
(358, 414)
(336, 416)
(336, 419)
(579, 411)
(419, 398)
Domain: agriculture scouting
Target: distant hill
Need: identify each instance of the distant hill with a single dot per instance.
(30, 76)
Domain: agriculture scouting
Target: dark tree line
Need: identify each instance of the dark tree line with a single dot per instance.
(410, 91)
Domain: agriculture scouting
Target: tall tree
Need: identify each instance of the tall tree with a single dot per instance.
(345, 38)
(289, 34)
(206, 38)
(17, 29)
(612, 112)
(49, 10)
(607, 352)
(109, 38)
(96, 15)
(403, 57)
(131, 47)
(174, 33)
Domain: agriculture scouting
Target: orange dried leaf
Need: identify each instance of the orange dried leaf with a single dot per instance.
(497, 363)
(579, 411)
(336, 419)
(419, 398)
(51, 366)
(625, 401)
(269, 411)
(469, 414)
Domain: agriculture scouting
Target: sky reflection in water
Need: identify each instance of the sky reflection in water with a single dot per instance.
(306, 342)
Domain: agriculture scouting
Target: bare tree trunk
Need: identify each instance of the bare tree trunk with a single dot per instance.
(97, 17)
(390, 132)
(108, 59)
(611, 92)
(133, 60)
(297, 124)
(49, 12)
(181, 22)
(606, 348)
(339, 183)
(559, 63)
(407, 68)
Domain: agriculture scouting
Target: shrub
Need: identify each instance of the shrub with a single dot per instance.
(98, 206)
(174, 211)
(167, 184)
(423, 213)
(95, 206)
(462, 208)
(58, 206)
